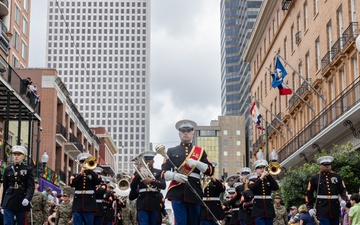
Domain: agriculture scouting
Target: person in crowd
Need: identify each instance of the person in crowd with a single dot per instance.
(52, 217)
(129, 213)
(39, 204)
(227, 209)
(294, 216)
(327, 185)
(47, 192)
(345, 213)
(148, 200)
(212, 189)
(108, 203)
(182, 167)
(247, 198)
(263, 208)
(84, 205)
(354, 212)
(64, 213)
(281, 216)
(305, 217)
(18, 188)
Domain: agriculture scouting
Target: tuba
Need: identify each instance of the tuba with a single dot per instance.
(123, 188)
(143, 169)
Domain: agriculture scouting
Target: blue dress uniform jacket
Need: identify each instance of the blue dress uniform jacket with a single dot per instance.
(85, 185)
(108, 201)
(182, 192)
(99, 194)
(18, 184)
(212, 200)
(263, 206)
(246, 204)
(146, 199)
(238, 194)
(327, 203)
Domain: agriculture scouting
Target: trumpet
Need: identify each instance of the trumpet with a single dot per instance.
(274, 168)
(89, 164)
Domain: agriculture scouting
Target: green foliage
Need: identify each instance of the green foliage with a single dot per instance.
(346, 163)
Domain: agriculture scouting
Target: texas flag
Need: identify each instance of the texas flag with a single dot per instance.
(256, 116)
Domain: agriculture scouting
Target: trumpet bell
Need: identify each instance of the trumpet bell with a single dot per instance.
(274, 168)
(90, 162)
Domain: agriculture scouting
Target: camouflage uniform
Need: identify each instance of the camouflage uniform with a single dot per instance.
(64, 213)
(128, 214)
(39, 209)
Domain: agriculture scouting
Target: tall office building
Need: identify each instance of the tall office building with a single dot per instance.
(101, 49)
(237, 20)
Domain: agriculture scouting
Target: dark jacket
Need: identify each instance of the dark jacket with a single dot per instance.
(99, 193)
(18, 184)
(85, 202)
(331, 185)
(183, 192)
(211, 199)
(263, 205)
(147, 199)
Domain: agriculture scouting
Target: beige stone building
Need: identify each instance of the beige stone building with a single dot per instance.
(315, 39)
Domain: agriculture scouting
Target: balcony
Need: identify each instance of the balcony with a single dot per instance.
(4, 7)
(300, 91)
(285, 4)
(74, 147)
(4, 39)
(349, 36)
(336, 48)
(62, 176)
(60, 134)
(326, 127)
(258, 143)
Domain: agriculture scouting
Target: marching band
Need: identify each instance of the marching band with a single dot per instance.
(197, 197)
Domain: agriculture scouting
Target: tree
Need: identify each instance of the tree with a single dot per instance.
(346, 163)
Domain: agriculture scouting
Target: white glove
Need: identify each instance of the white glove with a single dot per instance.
(175, 176)
(312, 212)
(342, 204)
(2, 211)
(200, 165)
(25, 202)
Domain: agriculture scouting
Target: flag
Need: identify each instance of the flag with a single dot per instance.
(256, 116)
(284, 91)
(279, 75)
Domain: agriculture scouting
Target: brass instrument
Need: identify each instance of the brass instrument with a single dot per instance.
(274, 168)
(143, 169)
(232, 181)
(160, 149)
(205, 182)
(90, 163)
(123, 188)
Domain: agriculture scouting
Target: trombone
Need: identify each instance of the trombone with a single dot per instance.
(274, 168)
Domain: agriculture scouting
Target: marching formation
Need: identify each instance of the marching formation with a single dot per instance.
(196, 196)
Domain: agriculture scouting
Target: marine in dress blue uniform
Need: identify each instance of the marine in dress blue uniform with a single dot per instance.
(190, 161)
(263, 207)
(247, 197)
(18, 188)
(84, 204)
(212, 192)
(330, 186)
(148, 203)
(100, 191)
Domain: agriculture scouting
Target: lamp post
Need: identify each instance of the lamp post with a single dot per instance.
(44, 161)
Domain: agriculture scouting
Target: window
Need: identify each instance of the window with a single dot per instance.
(16, 40)
(238, 153)
(25, 27)
(238, 132)
(307, 60)
(17, 14)
(225, 132)
(225, 153)
(23, 50)
(238, 143)
(306, 17)
(26, 5)
(317, 53)
(15, 62)
(316, 7)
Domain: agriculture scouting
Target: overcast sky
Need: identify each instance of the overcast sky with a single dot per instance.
(185, 62)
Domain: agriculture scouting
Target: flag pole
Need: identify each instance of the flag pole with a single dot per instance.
(266, 130)
(288, 128)
(285, 85)
(266, 140)
(303, 78)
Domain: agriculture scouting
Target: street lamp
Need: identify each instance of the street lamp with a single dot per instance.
(274, 156)
(44, 159)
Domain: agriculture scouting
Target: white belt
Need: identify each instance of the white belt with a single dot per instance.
(235, 209)
(85, 192)
(145, 190)
(262, 197)
(327, 196)
(211, 199)
(194, 175)
(99, 200)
